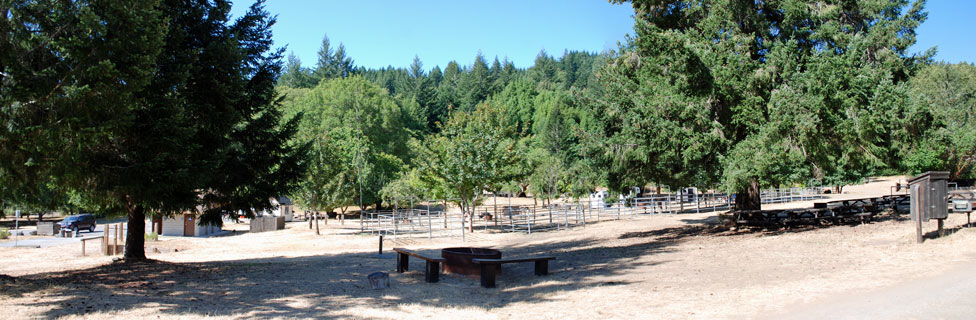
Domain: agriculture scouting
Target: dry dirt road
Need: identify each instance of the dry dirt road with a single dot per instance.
(948, 295)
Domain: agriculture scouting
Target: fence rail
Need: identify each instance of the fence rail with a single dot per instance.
(435, 218)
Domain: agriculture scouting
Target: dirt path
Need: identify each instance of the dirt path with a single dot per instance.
(948, 295)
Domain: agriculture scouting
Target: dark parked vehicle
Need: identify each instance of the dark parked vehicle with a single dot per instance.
(78, 222)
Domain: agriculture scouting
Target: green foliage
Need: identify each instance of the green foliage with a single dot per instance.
(409, 185)
(518, 100)
(356, 133)
(768, 92)
(4, 233)
(545, 72)
(420, 89)
(152, 236)
(332, 63)
(476, 84)
(942, 113)
(469, 155)
(296, 76)
(170, 106)
(546, 178)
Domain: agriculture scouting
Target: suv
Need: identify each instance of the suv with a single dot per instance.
(78, 222)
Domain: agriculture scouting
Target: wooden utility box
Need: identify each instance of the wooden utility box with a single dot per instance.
(48, 228)
(929, 192)
(267, 223)
(929, 195)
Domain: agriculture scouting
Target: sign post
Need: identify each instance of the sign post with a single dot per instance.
(16, 226)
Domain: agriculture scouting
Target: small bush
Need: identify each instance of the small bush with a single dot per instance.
(152, 236)
(4, 233)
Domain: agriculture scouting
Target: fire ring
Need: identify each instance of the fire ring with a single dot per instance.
(458, 260)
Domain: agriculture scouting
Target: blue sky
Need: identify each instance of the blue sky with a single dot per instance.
(950, 28)
(381, 33)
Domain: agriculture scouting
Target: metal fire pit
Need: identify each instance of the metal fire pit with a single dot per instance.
(458, 260)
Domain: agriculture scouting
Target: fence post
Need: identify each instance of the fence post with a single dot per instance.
(697, 203)
(115, 245)
(430, 226)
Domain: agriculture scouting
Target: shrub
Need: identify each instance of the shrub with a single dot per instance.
(152, 236)
(4, 233)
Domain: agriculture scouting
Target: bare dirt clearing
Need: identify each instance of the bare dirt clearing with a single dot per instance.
(667, 266)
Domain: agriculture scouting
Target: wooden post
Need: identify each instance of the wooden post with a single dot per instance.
(115, 244)
(432, 271)
(941, 230)
(430, 226)
(105, 240)
(542, 267)
(487, 275)
(403, 262)
(918, 228)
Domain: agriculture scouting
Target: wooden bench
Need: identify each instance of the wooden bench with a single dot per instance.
(433, 268)
(83, 240)
(488, 268)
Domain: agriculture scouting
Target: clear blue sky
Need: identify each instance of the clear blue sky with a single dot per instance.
(381, 33)
(951, 28)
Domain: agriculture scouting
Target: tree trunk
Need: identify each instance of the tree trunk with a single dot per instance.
(40, 216)
(315, 214)
(309, 219)
(135, 241)
(749, 199)
(470, 220)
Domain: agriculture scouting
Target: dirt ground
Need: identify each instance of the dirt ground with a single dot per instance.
(662, 266)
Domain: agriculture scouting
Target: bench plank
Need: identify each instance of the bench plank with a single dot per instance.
(418, 255)
(513, 260)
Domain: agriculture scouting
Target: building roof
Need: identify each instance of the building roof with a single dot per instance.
(283, 200)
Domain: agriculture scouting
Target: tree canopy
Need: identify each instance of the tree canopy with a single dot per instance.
(756, 94)
(143, 115)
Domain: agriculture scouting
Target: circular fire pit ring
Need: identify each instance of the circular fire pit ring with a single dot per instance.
(458, 260)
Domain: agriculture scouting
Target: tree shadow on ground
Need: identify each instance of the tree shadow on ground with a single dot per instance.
(714, 227)
(323, 285)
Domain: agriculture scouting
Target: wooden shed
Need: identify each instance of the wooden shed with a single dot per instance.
(181, 225)
(285, 208)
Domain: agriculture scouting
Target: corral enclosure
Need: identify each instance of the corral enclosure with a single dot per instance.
(440, 218)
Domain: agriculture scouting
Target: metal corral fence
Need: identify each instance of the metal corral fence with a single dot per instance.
(784, 195)
(441, 218)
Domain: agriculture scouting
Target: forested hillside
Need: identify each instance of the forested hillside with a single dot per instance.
(709, 94)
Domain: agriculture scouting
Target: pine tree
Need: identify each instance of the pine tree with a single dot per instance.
(447, 92)
(422, 91)
(325, 68)
(545, 71)
(475, 84)
(159, 123)
(755, 94)
(294, 75)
